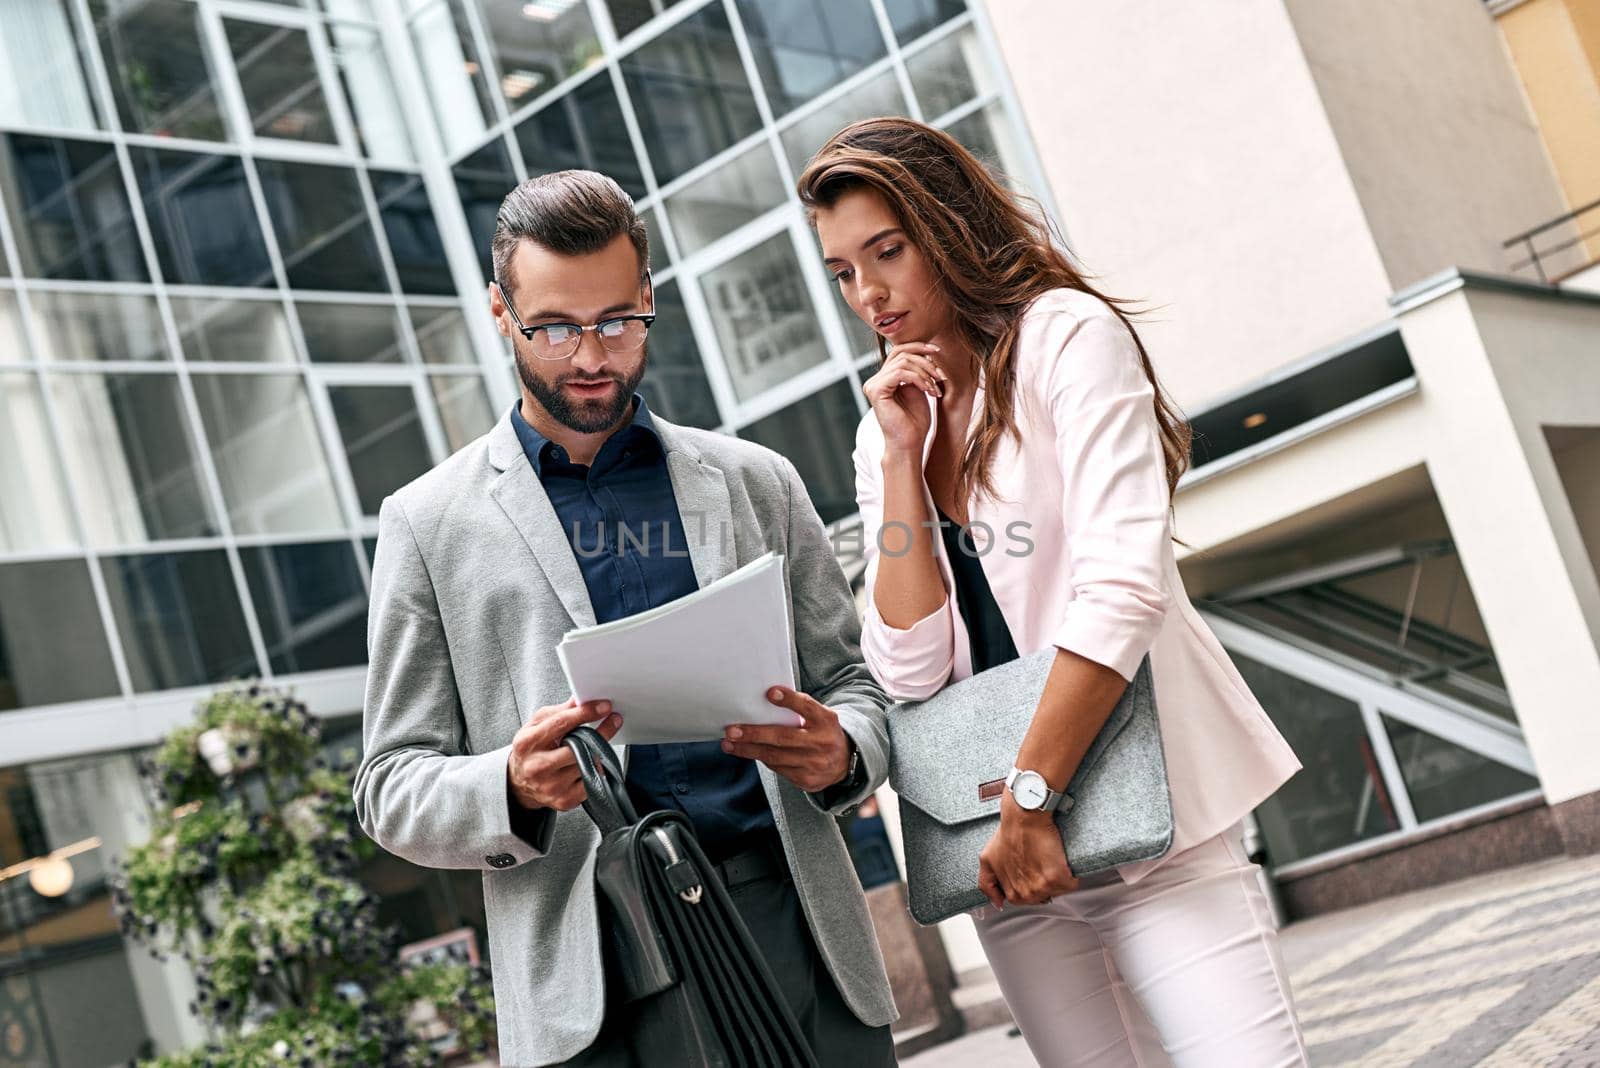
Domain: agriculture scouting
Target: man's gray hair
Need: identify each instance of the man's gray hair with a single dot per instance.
(571, 213)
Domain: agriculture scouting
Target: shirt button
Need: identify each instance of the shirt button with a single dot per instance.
(680, 787)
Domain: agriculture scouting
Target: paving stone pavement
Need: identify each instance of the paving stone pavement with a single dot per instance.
(1498, 971)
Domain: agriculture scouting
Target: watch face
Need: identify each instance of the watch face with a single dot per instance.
(1030, 790)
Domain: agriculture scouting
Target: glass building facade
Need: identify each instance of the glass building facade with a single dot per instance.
(243, 249)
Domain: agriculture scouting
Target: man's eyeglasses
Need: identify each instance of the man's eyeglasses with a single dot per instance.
(557, 341)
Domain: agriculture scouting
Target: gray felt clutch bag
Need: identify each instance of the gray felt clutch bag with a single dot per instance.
(948, 760)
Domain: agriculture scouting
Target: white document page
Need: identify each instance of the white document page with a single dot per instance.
(683, 671)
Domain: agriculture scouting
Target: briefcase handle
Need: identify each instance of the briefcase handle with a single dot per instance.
(607, 803)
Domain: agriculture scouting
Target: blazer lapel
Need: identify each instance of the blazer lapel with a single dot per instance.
(525, 503)
(703, 505)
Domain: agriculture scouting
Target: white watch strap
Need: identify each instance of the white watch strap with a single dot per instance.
(1052, 798)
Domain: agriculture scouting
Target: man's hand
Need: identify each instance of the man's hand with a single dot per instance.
(814, 755)
(543, 773)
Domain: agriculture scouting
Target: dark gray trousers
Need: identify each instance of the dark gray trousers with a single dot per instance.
(771, 908)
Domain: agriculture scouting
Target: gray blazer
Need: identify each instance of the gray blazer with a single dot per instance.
(473, 585)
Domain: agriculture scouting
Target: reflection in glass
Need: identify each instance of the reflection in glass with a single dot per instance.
(269, 459)
(482, 181)
(127, 444)
(349, 333)
(97, 326)
(220, 330)
(413, 233)
(160, 74)
(742, 189)
(33, 498)
(322, 225)
(383, 439)
(988, 134)
(52, 643)
(311, 604)
(881, 95)
(462, 107)
(804, 47)
(279, 78)
(1339, 797)
(584, 128)
(179, 619)
(913, 18)
(13, 342)
(766, 325)
(690, 92)
(441, 335)
(817, 434)
(949, 72)
(374, 105)
(629, 15)
(675, 385)
(1443, 778)
(45, 81)
(69, 210)
(463, 407)
(536, 44)
(202, 220)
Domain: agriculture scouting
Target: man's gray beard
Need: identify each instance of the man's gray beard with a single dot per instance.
(582, 418)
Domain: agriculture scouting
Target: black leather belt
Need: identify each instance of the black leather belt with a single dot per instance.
(765, 861)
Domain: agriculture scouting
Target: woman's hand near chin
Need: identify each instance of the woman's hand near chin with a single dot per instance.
(896, 395)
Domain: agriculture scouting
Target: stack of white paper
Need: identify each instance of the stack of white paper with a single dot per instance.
(683, 671)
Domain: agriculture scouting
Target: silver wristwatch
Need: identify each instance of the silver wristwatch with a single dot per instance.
(1032, 793)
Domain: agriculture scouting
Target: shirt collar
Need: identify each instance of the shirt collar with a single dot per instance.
(536, 446)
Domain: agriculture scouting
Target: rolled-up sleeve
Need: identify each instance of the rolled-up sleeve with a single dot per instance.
(911, 663)
(1114, 495)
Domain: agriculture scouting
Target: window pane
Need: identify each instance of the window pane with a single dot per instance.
(482, 180)
(413, 233)
(463, 407)
(179, 619)
(322, 226)
(350, 333)
(742, 189)
(804, 47)
(442, 335)
(13, 342)
(913, 18)
(880, 96)
(374, 105)
(863, 339)
(98, 326)
(691, 94)
(383, 439)
(989, 136)
(33, 497)
(69, 210)
(629, 15)
(269, 459)
(537, 43)
(52, 643)
(44, 80)
(817, 434)
(456, 85)
(1339, 797)
(252, 331)
(160, 74)
(311, 604)
(279, 78)
(765, 322)
(949, 73)
(127, 444)
(202, 219)
(583, 129)
(675, 385)
(1443, 778)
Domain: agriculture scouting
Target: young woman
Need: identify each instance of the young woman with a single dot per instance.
(1015, 478)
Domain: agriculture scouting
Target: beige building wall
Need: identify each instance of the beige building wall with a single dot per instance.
(1433, 127)
(1193, 167)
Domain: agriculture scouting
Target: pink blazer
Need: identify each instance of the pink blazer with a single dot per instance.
(1087, 488)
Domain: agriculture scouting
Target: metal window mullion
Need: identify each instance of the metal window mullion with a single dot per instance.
(896, 59)
(338, 461)
(432, 421)
(339, 109)
(965, 109)
(1038, 180)
(660, 25)
(488, 63)
(790, 391)
(1393, 780)
(705, 331)
(815, 275)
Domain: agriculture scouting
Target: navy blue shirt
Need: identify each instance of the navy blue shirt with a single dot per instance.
(627, 488)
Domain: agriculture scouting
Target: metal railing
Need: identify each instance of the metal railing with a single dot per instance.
(1539, 258)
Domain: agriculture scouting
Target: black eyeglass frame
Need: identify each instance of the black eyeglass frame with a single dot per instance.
(647, 318)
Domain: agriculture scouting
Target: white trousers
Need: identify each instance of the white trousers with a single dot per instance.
(1179, 969)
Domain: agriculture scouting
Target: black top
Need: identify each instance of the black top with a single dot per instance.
(987, 633)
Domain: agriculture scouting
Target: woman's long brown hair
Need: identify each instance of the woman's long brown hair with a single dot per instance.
(993, 252)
